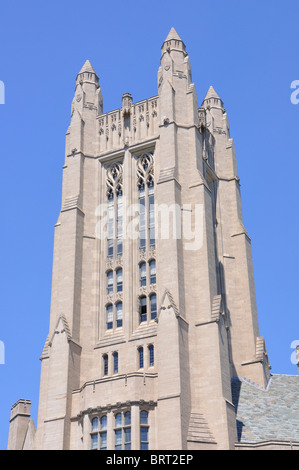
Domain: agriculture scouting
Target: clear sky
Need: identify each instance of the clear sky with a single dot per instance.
(248, 51)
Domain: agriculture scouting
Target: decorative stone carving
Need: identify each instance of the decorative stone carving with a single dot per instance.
(145, 169)
(114, 178)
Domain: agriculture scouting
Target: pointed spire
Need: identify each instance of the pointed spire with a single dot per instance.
(211, 94)
(84, 74)
(173, 35)
(87, 67)
(173, 41)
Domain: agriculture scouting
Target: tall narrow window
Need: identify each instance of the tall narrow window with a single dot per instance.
(119, 280)
(103, 433)
(110, 235)
(105, 364)
(151, 355)
(142, 273)
(145, 173)
(95, 425)
(118, 431)
(119, 211)
(119, 314)
(153, 302)
(109, 317)
(109, 282)
(152, 267)
(144, 430)
(143, 309)
(142, 221)
(151, 210)
(94, 435)
(127, 430)
(140, 357)
(115, 210)
(115, 363)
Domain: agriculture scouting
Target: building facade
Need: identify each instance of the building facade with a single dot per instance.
(153, 323)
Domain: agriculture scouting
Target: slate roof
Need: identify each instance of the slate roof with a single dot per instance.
(267, 414)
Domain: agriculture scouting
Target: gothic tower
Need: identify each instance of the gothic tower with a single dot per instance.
(153, 306)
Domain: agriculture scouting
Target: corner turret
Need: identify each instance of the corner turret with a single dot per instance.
(212, 100)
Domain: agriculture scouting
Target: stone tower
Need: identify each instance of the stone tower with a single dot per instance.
(153, 305)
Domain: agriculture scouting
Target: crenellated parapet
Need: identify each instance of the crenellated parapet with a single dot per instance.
(128, 125)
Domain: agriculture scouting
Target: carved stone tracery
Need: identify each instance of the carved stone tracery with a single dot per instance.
(145, 169)
(114, 180)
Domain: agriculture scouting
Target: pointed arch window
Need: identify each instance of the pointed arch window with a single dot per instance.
(140, 357)
(153, 304)
(115, 362)
(119, 280)
(105, 364)
(103, 432)
(152, 268)
(145, 182)
(115, 210)
(109, 276)
(119, 314)
(142, 309)
(109, 317)
(110, 234)
(122, 431)
(142, 274)
(151, 355)
(144, 430)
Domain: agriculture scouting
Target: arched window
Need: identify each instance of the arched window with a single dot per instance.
(144, 428)
(119, 222)
(119, 280)
(94, 435)
(119, 314)
(96, 431)
(105, 364)
(152, 267)
(110, 231)
(140, 357)
(153, 302)
(95, 425)
(118, 431)
(122, 430)
(115, 210)
(145, 175)
(109, 316)
(103, 433)
(142, 274)
(142, 309)
(142, 217)
(115, 363)
(151, 355)
(103, 422)
(109, 276)
(127, 430)
(151, 211)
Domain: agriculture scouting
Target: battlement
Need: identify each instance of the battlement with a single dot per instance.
(20, 408)
(129, 124)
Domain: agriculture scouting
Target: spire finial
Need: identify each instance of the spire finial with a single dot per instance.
(211, 94)
(88, 68)
(173, 41)
(173, 35)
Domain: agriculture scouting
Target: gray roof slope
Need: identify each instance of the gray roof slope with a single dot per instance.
(267, 414)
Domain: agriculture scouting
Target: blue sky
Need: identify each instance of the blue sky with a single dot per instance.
(248, 51)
